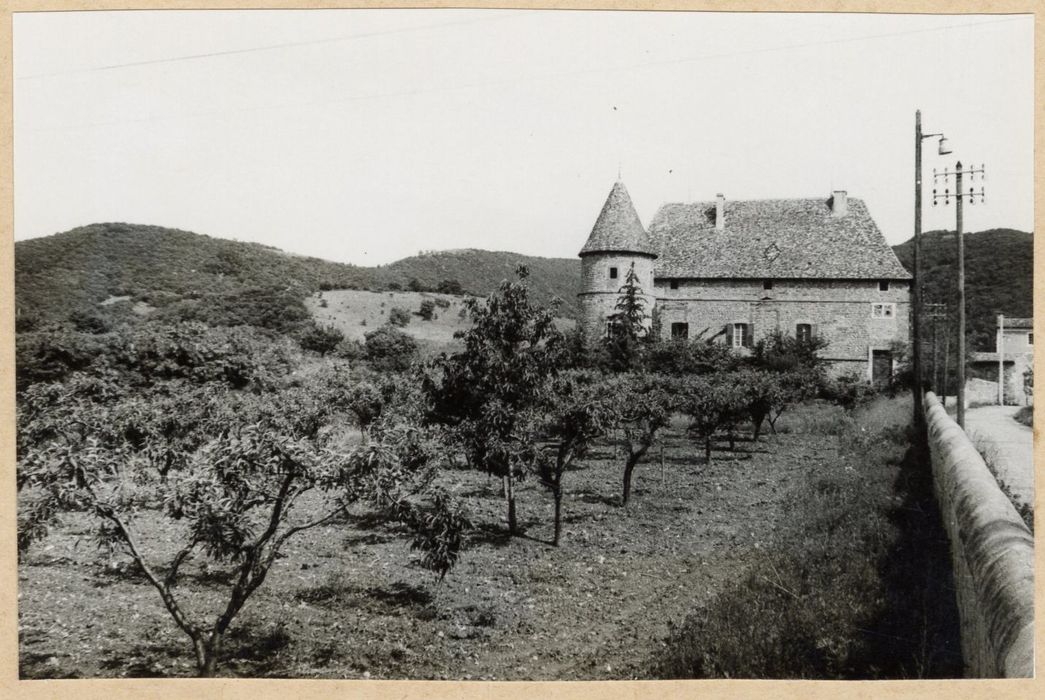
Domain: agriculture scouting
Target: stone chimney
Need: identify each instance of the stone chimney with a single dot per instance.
(839, 203)
(720, 212)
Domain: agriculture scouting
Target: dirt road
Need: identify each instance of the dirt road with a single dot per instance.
(1013, 444)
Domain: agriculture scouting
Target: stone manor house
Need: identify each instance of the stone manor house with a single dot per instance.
(736, 271)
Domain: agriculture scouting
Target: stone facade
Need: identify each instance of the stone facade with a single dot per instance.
(840, 311)
(738, 271)
(602, 289)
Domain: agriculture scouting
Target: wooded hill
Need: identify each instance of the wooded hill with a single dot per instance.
(999, 273)
(195, 276)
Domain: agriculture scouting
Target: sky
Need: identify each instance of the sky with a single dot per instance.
(365, 136)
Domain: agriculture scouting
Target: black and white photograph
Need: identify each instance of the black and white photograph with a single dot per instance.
(523, 345)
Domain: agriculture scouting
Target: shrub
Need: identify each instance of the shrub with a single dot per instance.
(1025, 416)
(427, 310)
(390, 349)
(414, 285)
(450, 287)
(398, 316)
(442, 303)
(321, 339)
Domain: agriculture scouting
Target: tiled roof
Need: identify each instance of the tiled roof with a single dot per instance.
(774, 238)
(618, 227)
(1018, 323)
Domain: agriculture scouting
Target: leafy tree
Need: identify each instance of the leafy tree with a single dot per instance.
(390, 349)
(227, 471)
(572, 412)
(644, 404)
(427, 310)
(699, 355)
(398, 316)
(321, 339)
(711, 402)
(779, 351)
(482, 392)
(414, 285)
(450, 287)
(627, 324)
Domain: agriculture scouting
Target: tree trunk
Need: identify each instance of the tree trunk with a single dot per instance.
(509, 497)
(707, 449)
(207, 652)
(557, 494)
(629, 468)
(756, 423)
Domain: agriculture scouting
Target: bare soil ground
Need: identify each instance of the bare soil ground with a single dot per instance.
(345, 602)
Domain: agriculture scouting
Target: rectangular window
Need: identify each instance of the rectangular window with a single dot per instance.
(883, 310)
(674, 284)
(680, 330)
(613, 273)
(883, 286)
(740, 335)
(767, 284)
(1030, 339)
(804, 332)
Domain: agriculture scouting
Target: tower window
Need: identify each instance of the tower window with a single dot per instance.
(883, 286)
(767, 284)
(680, 330)
(613, 273)
(674, 284)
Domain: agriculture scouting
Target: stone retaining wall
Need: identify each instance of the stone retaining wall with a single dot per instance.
(992, 552)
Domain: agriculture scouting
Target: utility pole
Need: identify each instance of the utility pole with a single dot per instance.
(916, 291)
(946, 359)
(934, 312)
(959, 197)
(999, 346)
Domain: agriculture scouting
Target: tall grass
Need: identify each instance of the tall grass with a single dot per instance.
(855, 585)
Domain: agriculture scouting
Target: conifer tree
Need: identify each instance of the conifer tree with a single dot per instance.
(627, 325)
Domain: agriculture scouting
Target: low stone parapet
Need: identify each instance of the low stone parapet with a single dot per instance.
(992, 552)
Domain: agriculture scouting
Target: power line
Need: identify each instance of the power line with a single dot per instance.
(524, 79)
(269, 47)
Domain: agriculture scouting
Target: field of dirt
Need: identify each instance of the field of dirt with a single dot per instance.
(345, 601)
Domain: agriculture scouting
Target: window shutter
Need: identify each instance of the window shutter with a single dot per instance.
(814, 331)
(749, 334)
(728, 331)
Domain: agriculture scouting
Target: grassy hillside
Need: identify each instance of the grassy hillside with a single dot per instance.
(480, 271)
(356, 312)
(999, 271)
(142, 268)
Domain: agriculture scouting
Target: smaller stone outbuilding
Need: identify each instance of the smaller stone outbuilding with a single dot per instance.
(1014, 354)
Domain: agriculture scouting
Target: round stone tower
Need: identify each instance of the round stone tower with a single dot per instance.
(617, 241)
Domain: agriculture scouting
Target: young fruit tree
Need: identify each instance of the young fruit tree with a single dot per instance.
(573, 411)
(644, 404)
(483, 392)
(227, 476)
(712, 403)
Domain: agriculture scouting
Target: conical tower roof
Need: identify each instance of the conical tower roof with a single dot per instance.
(618, 228)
